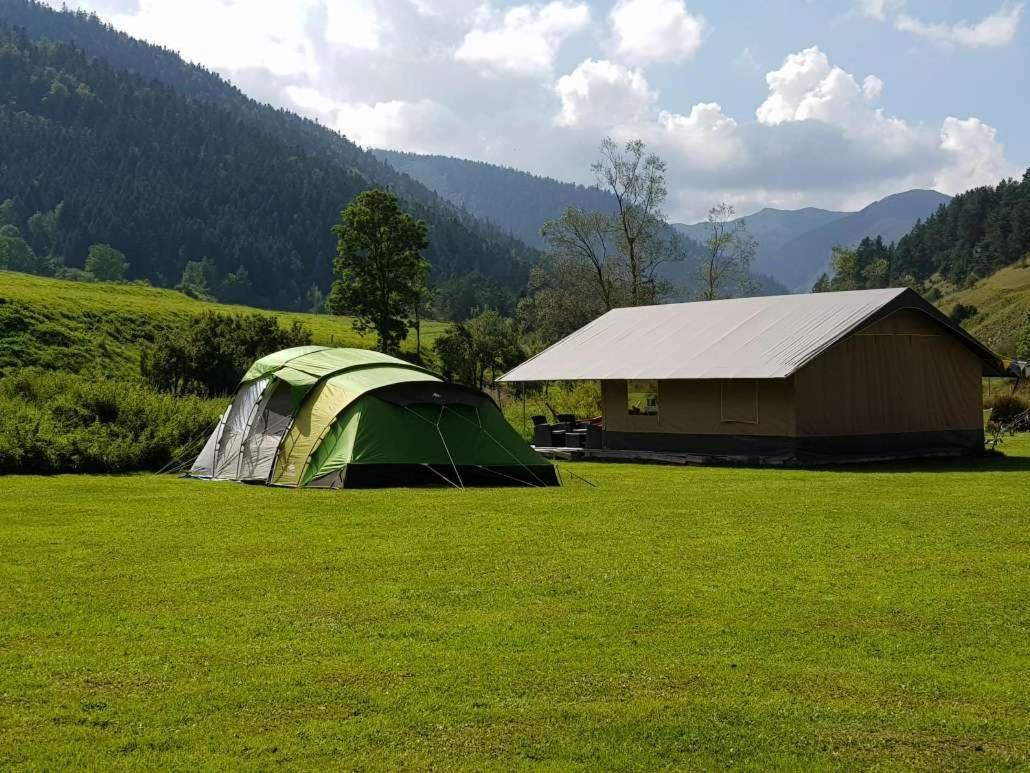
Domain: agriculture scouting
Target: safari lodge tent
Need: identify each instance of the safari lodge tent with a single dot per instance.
(334, 418)
(789, 379)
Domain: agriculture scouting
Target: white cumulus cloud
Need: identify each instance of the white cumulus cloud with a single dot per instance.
(655, 30)
(353, 24)
(602, 93)
(997, 29)
(706, 138)
(973, 154)
(524, 39)
(807, 88)
(420, 126)
(818, 139)
(994, 30)
(423, 126)
(270, 36)
(872, 88)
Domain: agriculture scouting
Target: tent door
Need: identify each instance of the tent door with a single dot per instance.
(237, 424)
(274, 416)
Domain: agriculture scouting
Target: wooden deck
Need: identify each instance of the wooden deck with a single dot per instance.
(653, 457)
(662, 457)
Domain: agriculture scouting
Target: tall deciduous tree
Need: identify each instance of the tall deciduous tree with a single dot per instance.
(598, 261)
(636, 179)
(868, 266)
(562, 297)
(728, 252)
(198, 276)
(424, 295)
(586, 244)
(486, 344)
(106, 263)
(379, 267)
(16, 254)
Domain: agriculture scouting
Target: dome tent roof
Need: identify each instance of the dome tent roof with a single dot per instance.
(316, 362)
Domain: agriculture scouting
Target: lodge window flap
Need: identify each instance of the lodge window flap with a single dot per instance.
(739, 401)
(642, 398)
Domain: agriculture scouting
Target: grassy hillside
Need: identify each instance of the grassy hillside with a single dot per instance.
(77, 326)
(666, 617)
(1001, 301)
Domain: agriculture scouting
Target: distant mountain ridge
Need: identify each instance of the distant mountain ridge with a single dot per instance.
(772, 227)
(520, 203)
(515, 201)
(794, 246)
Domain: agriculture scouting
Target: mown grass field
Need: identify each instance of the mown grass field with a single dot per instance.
(83, 325)
(663, 617)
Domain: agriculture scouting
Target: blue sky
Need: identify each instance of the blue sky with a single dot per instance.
(787, 104)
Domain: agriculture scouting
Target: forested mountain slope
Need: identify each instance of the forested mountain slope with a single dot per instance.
(971, 237)
(972, 254)
(793, 245)
(172, 164)
(977, 233)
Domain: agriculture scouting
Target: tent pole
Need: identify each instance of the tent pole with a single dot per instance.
(524, 427)
(443, 440)
(492, 438)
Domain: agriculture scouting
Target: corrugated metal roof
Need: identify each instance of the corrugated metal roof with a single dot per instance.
(740, 338)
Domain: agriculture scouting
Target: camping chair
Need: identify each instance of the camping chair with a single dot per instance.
(566, 421)
(542, 435)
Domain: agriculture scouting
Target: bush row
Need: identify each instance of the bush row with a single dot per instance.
(54, 422)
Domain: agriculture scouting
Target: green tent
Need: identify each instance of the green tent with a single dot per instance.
(335, 418)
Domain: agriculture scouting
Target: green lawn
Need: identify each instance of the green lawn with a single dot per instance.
(685, 617)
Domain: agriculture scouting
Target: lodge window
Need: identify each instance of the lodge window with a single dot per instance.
(642, 398)
(739, 401)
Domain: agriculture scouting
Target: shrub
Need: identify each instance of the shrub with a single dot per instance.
(1004, 408)
(961, 312)
(106, 263)
(485, 346)
(62, 422)
(213, 352)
